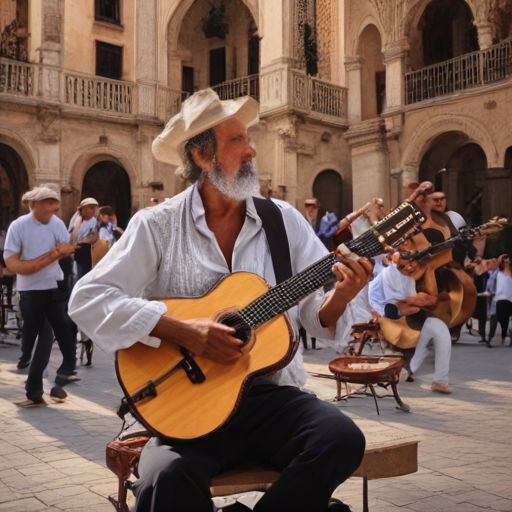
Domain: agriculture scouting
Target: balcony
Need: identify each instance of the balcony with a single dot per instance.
(22, 81)
(315, 96)
(18, 78)
(464, 72)
(244, 86)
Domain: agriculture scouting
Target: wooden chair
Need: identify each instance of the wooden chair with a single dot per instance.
(123, 460)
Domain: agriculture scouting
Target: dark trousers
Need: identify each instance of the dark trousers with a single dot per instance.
(315, 445)
(493, 323)
(42, 313)
(503, 314)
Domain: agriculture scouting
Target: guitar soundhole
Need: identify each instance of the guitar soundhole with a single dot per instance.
(243, 329)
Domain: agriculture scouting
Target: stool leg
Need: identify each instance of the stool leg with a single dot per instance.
(365, 494)
(313, 343)
(402, 406)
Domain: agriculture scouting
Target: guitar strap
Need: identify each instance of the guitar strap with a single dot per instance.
(273, 224)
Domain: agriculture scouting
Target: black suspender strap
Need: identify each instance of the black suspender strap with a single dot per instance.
(273, 224)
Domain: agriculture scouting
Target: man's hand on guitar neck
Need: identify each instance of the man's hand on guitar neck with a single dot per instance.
(351, 276)
(201, 336)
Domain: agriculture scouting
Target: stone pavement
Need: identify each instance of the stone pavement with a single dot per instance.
(53, 458)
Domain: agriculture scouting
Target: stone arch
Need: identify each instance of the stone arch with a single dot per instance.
(21, 147)
(414, 36)
(76, 168)
(176, 14)
(425, 133)
(74, 171)
(185, 66)
(368, 20)
(333, 172)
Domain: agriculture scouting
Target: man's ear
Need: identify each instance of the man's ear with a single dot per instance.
(200, 159)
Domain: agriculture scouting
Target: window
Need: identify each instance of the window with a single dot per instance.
(109, 60)
(108, 11)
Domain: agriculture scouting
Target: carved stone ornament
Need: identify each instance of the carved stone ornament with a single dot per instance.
(366, 133)
(51, 24)
(392, 14)
(395, 50)
(48, 121)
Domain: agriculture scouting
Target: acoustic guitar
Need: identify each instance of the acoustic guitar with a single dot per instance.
(180, 396)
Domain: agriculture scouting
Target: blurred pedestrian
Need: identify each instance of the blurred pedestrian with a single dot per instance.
(324, 223)
(35, 242)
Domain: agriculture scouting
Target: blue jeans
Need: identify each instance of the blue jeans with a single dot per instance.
(42, 311)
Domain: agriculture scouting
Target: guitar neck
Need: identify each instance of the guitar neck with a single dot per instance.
(284, 296)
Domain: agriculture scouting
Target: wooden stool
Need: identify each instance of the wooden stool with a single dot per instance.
(123, 460)
(386, 461)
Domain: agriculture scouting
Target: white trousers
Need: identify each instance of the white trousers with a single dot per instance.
(437, 331)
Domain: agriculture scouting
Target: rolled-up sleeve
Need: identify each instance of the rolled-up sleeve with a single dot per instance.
(106, 304)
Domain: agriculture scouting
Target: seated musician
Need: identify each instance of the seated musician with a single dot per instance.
(393, 295)
(181, 248)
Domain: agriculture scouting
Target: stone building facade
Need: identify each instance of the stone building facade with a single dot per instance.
(99, 80)
(446, 116)
(357, 97)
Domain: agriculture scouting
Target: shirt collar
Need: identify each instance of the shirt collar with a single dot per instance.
(198, 208)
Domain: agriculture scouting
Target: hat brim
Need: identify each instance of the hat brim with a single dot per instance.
(167, 146)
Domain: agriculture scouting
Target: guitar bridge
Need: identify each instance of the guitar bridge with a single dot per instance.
(188, 364)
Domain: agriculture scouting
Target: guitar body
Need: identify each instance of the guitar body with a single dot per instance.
(182, 410)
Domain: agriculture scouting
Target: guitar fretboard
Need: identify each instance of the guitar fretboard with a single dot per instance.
(289, 293)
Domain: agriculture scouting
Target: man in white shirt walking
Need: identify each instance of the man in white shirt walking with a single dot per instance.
(35, 242)
(181, 248)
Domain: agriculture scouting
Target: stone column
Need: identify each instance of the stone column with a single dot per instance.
(370, 162)
(353, 67)
(394, 57)
(485, 30)
(146, 56)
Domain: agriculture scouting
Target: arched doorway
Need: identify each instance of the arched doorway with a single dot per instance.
(447, 31)
(459, 168)
(373, 74)
(213, 43)
(13, 184)
(470, 164)
(328, 189)
(109, 184)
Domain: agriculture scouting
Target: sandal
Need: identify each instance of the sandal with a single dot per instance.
(441, 387)
(29, 403)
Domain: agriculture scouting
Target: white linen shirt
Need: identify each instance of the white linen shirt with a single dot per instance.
(30, 239)
(389, 287)
(169, 251)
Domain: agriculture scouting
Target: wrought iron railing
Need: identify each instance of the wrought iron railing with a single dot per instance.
(315, 95)
(244, 86)
(460, 73)
(99, 93)
(17, 77)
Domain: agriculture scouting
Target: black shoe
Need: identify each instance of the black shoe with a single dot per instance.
(23, 363)
(62, 380)
(58, 394)
(336, 505)
(488, 343)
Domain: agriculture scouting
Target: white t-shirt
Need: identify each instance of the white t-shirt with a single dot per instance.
(503, 287)
(31, 239)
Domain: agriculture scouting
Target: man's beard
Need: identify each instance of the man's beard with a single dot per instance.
(242, 185)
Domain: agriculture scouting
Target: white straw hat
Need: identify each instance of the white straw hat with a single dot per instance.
(202, 111)
(87, 201)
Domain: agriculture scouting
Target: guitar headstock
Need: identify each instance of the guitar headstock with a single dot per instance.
(493, 226)
(393, 230)
(400, 224)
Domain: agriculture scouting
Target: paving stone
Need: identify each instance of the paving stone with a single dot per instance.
(24, 505)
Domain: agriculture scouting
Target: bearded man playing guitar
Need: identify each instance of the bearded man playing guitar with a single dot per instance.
(181, 248)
